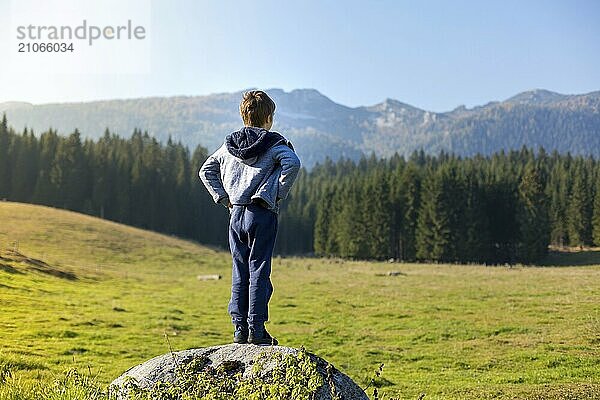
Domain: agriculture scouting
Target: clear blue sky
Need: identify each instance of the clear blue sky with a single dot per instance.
(432, 54)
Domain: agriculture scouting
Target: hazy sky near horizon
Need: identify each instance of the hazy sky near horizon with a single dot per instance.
(435, 55)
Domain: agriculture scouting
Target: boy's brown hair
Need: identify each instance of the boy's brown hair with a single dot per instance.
(256, 107)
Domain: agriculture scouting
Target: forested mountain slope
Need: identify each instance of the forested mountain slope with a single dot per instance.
(320, 127)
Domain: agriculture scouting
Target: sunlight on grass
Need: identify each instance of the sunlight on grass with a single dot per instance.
(450, 331)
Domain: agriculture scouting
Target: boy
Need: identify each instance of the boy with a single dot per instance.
(249, 174)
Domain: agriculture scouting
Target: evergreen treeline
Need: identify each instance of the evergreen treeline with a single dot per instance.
(506, 207)
(137, 181)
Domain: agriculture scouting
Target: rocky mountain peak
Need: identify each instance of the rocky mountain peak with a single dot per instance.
(536, 97)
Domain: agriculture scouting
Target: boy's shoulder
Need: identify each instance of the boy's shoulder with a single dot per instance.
(221, 150)
(281, 140)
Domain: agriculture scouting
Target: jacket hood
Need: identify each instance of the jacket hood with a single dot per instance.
(250, 142)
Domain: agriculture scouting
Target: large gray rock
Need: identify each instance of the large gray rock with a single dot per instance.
(163, 369)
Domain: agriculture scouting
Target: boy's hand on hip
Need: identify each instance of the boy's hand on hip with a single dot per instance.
(261, 202)
(226, 202)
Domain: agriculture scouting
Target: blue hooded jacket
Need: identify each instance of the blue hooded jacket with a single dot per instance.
(252, 164)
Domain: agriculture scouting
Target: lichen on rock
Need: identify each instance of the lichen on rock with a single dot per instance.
(237, 372)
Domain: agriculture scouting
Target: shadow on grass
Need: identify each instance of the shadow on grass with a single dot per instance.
(571, 257)
(31, 264)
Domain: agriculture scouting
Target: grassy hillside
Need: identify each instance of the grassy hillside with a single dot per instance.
(76, 291)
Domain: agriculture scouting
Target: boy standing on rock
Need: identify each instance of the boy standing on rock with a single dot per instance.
(250, 174)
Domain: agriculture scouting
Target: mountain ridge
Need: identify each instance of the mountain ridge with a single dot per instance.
(321, 127)
(522, 95)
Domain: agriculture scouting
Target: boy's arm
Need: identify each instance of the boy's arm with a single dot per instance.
(210, 174)
(290, 165)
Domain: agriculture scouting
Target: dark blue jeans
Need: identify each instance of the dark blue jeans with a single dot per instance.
(252, 233)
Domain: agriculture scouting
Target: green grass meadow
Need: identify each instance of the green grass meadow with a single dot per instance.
(80, 292)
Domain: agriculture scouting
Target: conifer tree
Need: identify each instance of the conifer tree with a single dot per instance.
(578, 209)
(350, 228)
(557, 195)
(5, 166)
(333, 246)
(46, 191)
(396, 200)
(25, 168)
(596, 213)
(211, 222)
(412, 197)
(433, 230)
(324, 216)
(532, 216)
(102, 170)
(476, 243)
(121, 202)
(69, 173)
(376, 214)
